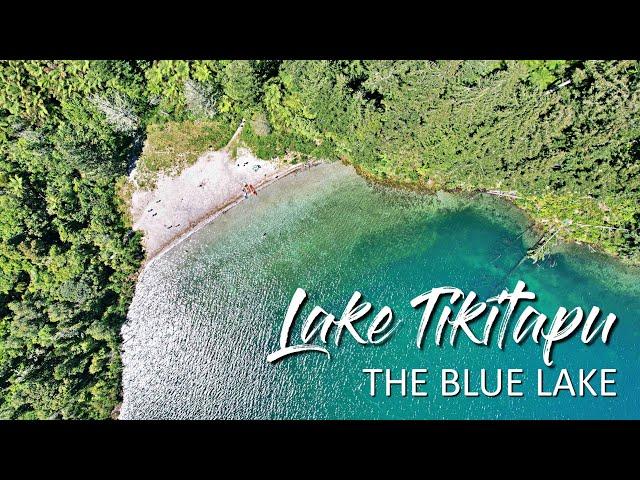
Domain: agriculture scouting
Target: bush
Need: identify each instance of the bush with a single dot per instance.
(172, 146)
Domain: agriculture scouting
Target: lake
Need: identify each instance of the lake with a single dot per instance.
(207, 314)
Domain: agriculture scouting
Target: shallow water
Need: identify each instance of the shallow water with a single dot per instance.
(206, 315)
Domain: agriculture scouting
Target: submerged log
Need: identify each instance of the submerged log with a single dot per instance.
(499, 193)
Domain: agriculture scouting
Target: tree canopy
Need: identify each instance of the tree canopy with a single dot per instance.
(563, 135)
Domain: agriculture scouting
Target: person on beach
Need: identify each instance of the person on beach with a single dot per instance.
(245, 191)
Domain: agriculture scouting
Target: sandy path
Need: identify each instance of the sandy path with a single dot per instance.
(182, 204)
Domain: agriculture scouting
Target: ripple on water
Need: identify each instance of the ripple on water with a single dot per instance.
(206, 314)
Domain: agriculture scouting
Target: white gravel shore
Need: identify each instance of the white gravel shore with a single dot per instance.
(179, 204)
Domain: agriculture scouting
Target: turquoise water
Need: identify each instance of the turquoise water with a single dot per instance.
(206, 315)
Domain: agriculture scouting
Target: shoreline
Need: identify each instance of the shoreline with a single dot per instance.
(195, 337)
(203, 221)
(211, 215)
(538, 225)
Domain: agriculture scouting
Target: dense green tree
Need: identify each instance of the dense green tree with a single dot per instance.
(67, 256)
(241, 87)
(562, 138)
(560, 133)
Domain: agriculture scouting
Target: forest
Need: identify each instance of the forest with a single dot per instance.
(561, 139)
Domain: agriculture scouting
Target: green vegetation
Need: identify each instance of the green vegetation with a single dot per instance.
(563, 135)
(559, 137)
(67, 258)
(277, 144)
(172, 146)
